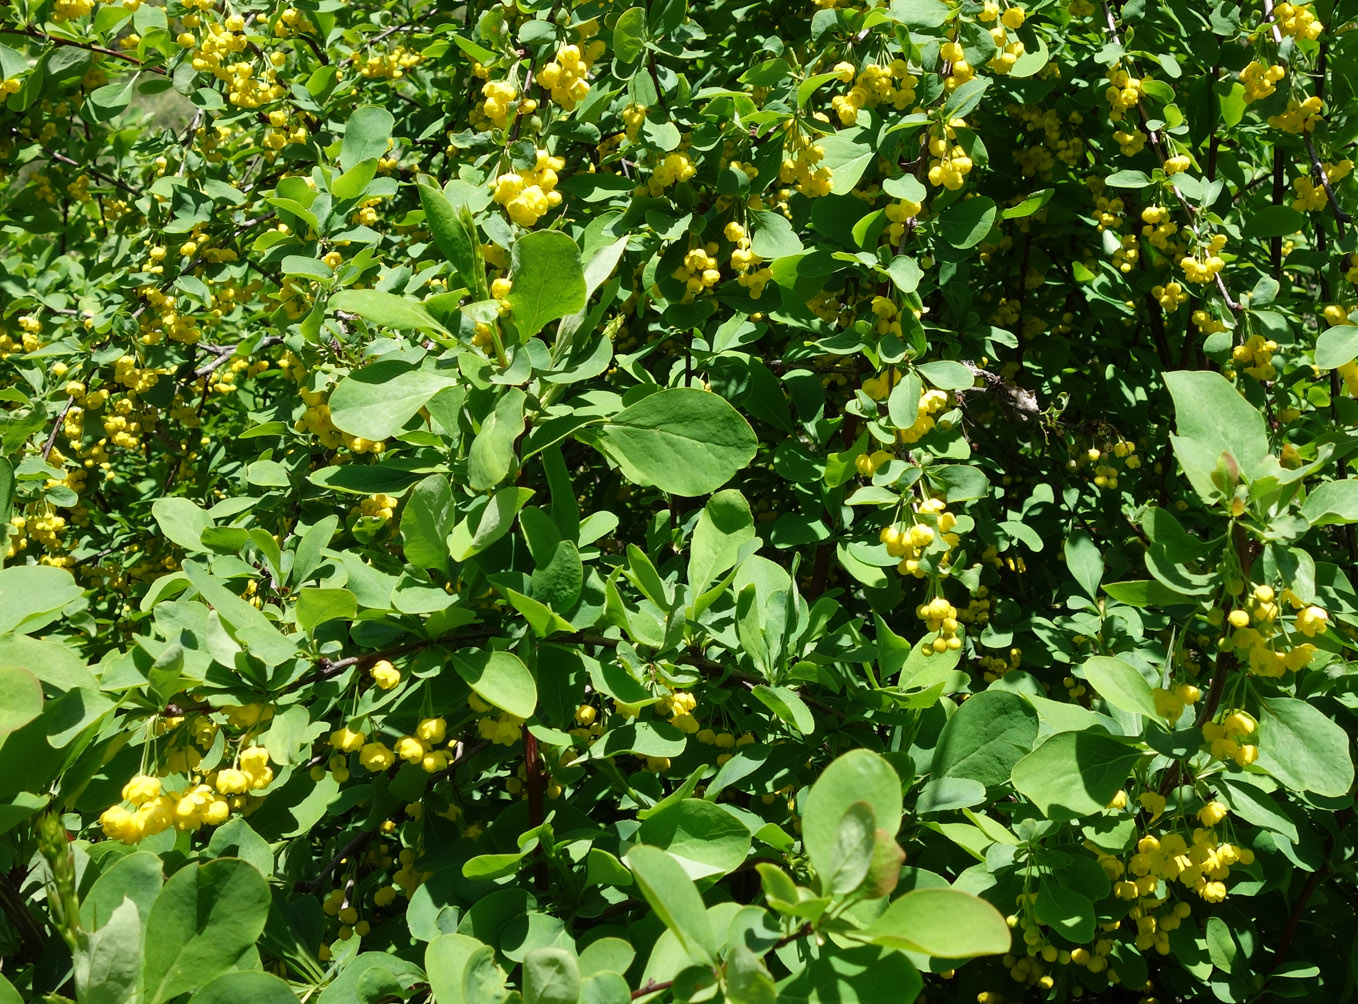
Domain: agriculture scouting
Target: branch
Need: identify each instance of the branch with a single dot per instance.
(355, 844)
(56, 428)
(105, 178)
(225, 353)
(57, 40)
(1340, 217)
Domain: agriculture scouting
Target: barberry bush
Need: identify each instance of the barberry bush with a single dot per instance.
(572, 503)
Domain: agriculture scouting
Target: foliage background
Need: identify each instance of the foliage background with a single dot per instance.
(578, 503)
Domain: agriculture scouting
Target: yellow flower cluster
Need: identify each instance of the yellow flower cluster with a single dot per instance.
(69, 10)
(801, 157)
(1261, 81)
(528, 196)
(1130, 143)
(699, 271)
(566, 75)
(1203, 270)
(391, 65)
(1256, 357)
(1170, 704)
(1298, 21)
(892, 85)
(949, 163)
(1226, 740)
(1108, 213)
(503, 730)
(206, 803)
(419, 748)
(1202, 865)
(1171, 296)
(384, 674)
(1298, 116)
(910, 542)
(1009, 52)
(674, 169)
(1311, 195)
(931, 402)
(497, 95)
(940, 616)
(744, 260)
(959, 70)
(1257, 627)
(1123, 92)
(632, 118)
(898, 213)
(680, 706)
(1158, 228)
(381, 506)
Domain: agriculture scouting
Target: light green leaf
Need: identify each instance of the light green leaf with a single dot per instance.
(204, 919)
(182, 521)
(499, 678)
(985, 738)
(1332, 502)
(1074, 773)
(492, 451)
(1302, 747)
(629, 35)
(426, 521)
(20, 698)
(366, 135)
(32, 596)
(787, 705)
(386, 310)
(1213, 418)
(453, 238)
(724, 526)
(375, 402)
(243, 987)
(966, 223)
(866, 975)
(551, 976)
(674, 898)
(1337, 346)
(857, 776)
(944, 923)
(549, 282)
(1120, 684)
(702, 836)
(682, 440)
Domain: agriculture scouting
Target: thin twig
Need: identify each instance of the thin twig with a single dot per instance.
(57, 40)
(56, 428)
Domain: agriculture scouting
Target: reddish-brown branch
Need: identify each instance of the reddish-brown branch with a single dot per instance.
(43, 36)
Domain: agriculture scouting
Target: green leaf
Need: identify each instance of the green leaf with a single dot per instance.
(204, 919)
(492, 451)
(1074, 773)
(386, 310)
(946, 374)
(492, 522)
(1068, 912)
(20, 698)
(182, 521)
(920, 13)
(1273, 221)
(629, 35)
(1029, 205)
(426, 521)
(857, 776)
(1303, 748)
(773, 235)
(1085, 562)
(1332, 502)
(550, 976)
(966, 224)
(944, 923)
(445, 960)
(848, 152)
(316, 606)
(242, 987)
(985, 738)
(854, 845)
(1147, 593)
(375, 402)
(366, 135)
(549, 282)
(499, 678)
(787, 705)
(724, 527)
(32, 596)
(681, 440)
(674, 898)
(1212, 418)
(702, 836)
(866, 975)
(905, 273)
(454, 238)
(1337, 346)
(107, 966)
(1120, 684)
(1128, 179)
